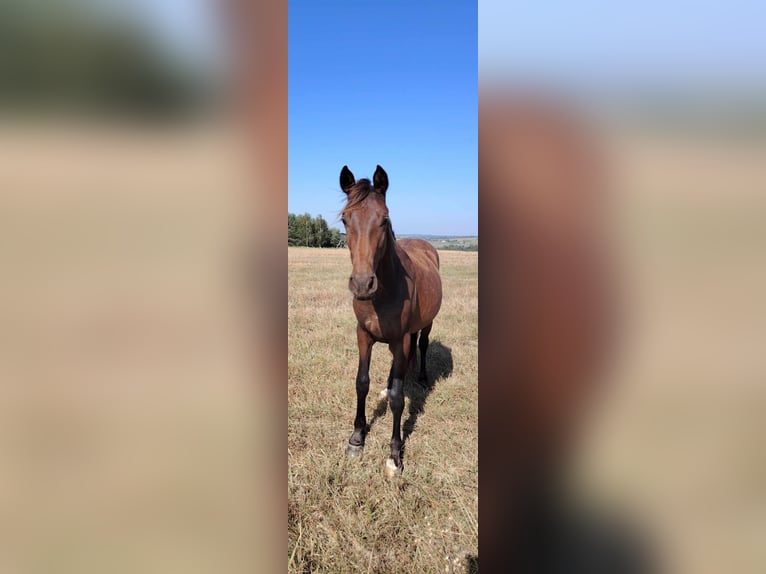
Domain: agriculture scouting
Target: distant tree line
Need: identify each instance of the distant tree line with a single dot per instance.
(471, 247)
(307, 231)
(70, 56)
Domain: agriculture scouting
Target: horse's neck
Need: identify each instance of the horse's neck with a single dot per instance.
(391, 266)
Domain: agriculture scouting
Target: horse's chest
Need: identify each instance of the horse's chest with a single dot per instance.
(373, 327)
(385, 325)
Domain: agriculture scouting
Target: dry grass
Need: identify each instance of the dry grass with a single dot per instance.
(343, 515)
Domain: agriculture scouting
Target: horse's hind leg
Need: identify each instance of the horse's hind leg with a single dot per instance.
(356, 442)
(413, 354)
(423, 344)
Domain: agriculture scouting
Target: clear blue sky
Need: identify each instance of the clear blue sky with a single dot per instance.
(392, 83)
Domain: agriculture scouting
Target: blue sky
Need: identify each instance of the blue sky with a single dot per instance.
(391, 83)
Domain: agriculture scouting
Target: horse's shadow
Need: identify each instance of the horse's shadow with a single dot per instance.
(438, 367)
(586, 541)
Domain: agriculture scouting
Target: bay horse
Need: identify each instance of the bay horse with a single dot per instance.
(397, 294)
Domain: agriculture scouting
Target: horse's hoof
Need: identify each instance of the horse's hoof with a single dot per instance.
(391, 470)
(383, 394)
(353, 451)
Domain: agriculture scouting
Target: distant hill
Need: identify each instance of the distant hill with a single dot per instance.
(448, 242)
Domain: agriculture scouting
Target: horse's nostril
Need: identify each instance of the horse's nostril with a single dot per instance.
(363, 284)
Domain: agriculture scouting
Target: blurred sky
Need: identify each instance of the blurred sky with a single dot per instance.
(191, 27)
(591, 44)
(391, 83)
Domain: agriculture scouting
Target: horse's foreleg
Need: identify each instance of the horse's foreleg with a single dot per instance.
(401, 351)
(423, 344)
(364, 342)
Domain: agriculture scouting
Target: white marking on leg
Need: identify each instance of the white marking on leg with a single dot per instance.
(391, 470)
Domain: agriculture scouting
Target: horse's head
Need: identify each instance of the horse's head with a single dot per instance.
(368, 229)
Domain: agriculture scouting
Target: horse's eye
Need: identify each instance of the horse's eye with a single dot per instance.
(343, 221)
(384, 222)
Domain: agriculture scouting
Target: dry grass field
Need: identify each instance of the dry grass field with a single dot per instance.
(344, 516)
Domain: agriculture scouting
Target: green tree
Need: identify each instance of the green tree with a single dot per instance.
(292, 230)
(322, 236)
(307, 231)
(334, 237)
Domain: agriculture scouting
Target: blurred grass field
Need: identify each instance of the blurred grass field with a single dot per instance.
(343, 515)
(128, 419)
(677, 441)
(127, 436)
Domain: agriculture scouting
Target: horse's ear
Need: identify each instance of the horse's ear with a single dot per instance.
(380, 180)
(346, 179)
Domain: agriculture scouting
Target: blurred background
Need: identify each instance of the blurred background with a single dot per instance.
(100, 58)
(676, 91)
(130, 440)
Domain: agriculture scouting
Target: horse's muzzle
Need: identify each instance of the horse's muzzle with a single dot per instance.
(363, 286)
